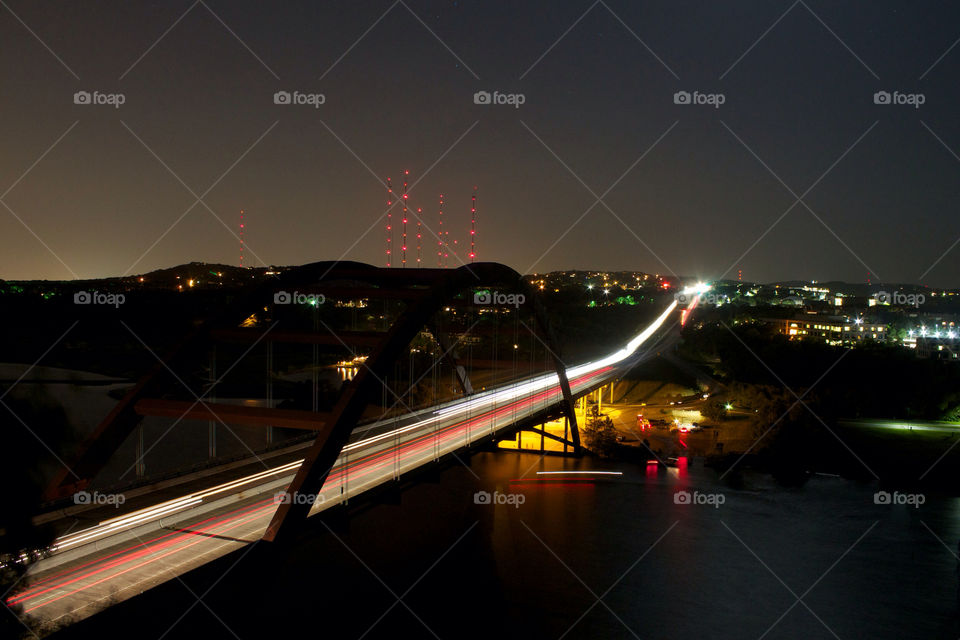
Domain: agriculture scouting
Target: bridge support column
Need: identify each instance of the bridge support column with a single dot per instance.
(269, 387)
(212, 424)
(141, 466)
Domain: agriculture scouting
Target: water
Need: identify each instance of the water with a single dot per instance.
(727, 571)
(661, 569)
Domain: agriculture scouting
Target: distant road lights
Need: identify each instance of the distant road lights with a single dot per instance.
(951, 335)
(728, 406)
(697, 289)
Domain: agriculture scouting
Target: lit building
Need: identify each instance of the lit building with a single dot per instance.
(942, 348)
(830, 329)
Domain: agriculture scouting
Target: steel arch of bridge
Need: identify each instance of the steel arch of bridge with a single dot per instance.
(444, 284)
(427, 292)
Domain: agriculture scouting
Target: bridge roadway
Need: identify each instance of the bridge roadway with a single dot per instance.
(120, 557)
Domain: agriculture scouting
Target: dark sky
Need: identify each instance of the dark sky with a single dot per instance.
(798, 81)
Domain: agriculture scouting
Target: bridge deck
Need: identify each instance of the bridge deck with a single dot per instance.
(107, 563)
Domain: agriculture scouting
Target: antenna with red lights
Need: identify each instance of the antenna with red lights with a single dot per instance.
(241, 238)
(739, 275)
(473, 224)
(419, 237)
(403, 261)
(440, 236)
(389, 221)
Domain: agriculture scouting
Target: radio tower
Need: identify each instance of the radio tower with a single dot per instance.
(389, 221)
(241, 238)
(473, 224)
(419, 236)
(403, 261)
(440, 236)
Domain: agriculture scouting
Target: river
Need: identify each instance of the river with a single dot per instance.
(589, 556)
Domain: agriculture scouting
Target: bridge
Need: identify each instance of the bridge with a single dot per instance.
(433, 362)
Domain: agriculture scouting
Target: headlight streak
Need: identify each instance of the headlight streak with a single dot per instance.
(482, 404)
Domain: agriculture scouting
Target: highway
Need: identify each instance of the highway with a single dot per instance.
(92, 568)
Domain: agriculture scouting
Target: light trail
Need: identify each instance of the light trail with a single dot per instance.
(574, 473)
(361, 465)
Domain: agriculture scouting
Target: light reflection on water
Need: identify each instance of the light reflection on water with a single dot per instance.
(536, 569)
(728, 570)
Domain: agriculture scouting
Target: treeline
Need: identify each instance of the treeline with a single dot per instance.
(871, 380)
(36, 436)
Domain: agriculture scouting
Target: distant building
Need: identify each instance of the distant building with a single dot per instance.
(829, 329)
(937, 348)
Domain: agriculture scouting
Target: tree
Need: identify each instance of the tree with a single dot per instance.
(600, 436)
(25, 418)
(715, 411)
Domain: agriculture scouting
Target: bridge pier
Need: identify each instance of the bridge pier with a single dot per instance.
(212, 424)
(269, 397)
(141, 466)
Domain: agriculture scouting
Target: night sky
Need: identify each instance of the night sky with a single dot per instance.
(687, 189)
